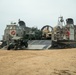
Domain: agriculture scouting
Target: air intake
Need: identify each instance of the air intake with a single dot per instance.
(69, 21)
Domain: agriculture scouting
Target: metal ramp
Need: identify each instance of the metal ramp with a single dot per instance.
(39, 44)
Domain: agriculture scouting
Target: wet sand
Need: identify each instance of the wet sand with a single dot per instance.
(38, 62)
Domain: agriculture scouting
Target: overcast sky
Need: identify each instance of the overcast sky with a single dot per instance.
(35, 13)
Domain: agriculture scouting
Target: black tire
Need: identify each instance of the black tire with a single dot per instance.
(26, 45)
(8, 48)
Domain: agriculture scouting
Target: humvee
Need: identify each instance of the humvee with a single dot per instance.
(17, 43)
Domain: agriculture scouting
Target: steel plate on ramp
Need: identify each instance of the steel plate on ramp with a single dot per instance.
(39, 44)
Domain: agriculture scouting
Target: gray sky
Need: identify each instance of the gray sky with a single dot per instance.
(35, 13)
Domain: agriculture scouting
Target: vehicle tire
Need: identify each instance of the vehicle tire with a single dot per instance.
(8, 48)
(26, 45)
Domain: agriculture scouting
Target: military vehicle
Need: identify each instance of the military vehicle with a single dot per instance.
(62, 36)
(17, 43)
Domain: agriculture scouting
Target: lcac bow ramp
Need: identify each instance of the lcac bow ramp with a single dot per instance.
(39, 44)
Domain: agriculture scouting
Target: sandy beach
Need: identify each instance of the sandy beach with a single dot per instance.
(38, 62)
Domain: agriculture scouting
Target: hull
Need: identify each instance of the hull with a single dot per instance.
(61, 44)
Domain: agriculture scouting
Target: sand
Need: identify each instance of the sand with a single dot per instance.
(38, 62)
